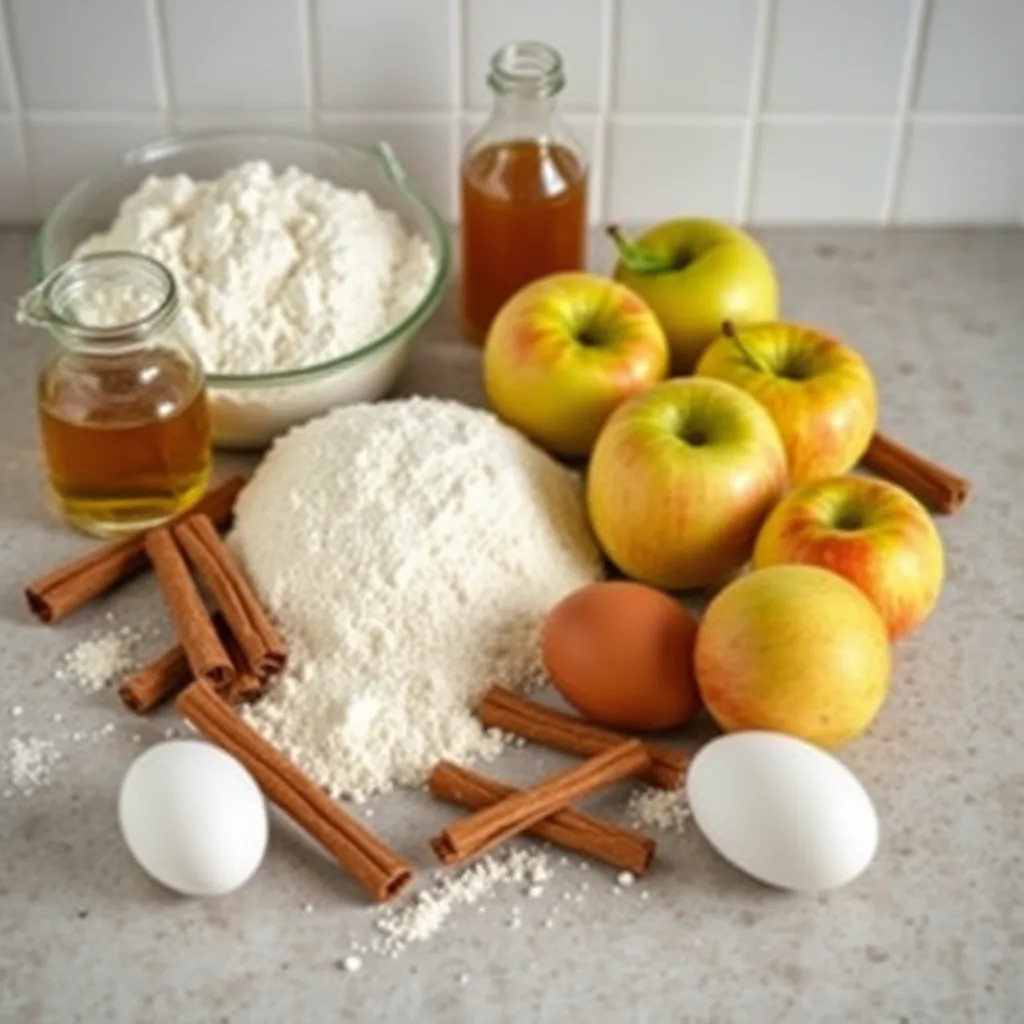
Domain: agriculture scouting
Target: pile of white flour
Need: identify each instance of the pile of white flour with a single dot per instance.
(409, 552)
(274, 271)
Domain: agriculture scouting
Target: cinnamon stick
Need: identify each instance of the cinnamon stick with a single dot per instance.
(206, 655)
(262, 648)
(938, 488)
(622, 848)
(57, 594)
(168, 673)
(373, 864)
(502, 709)
(520, 811)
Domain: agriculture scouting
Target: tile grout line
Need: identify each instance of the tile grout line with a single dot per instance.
(19, 112)
(916, 33)
(310, 78)
(764, 38)
(600, 161)
(457, 86)
(158, 55)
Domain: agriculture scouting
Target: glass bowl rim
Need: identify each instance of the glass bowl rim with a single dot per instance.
(381, 154)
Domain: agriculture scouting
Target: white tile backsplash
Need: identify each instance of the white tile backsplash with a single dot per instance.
(364, 64)
(807, 73)
(65, 151)
(782, 111)
(982, 168)
(685, 56)
(425, 149)
(235, 53)
(16, 205)
(75, 55)
(821, 173)
(974, 59)
(704, 161)
(573, 27)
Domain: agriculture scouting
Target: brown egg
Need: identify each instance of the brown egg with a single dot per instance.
(622, 654)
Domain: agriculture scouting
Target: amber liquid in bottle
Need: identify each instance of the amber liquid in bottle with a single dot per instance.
(122, 456)
(524, 215)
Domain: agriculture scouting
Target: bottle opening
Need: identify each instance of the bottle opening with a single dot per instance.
(115, 296)
(529, 70)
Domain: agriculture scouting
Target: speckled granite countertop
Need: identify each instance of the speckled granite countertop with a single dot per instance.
(934, 932)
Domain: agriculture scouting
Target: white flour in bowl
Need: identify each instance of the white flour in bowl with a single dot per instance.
(409, 551)
(275, 271)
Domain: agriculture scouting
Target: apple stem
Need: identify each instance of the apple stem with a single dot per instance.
(635, 257)
(729, 330)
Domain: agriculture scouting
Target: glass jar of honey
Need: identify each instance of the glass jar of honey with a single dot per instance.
(121, 400)
(523, 187)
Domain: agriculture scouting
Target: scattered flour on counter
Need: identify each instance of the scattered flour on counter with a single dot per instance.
(275, 271)
(427, 912)
(30, 763)
(97, 662)
(662, 809)
(409, 551)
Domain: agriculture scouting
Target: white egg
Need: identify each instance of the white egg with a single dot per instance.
(782, 810)
(193, 817)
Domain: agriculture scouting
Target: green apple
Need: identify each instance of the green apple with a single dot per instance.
(695, 274)
(564, 351)
(681, 479)
(819, 391)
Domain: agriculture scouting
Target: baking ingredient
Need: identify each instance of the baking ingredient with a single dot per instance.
(193, 818)
(519, 811)
(622, 654)
(262, 650)
(69, 586)
(368, 860)
(206, 653)
(871, 532)
(820, 393)
(275, 271)
(408, 552)
(681, 479)
(663, 809)
(30, 763)
(564, 351)
(422, 917)
(96, 662)
(694, 274)
(783, 811)
(121, 401)
(937, 488)
(568, 828)
(795, 649)
(509, 713)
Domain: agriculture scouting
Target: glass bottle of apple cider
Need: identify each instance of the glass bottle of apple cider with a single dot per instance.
(523, 187)
(121, 399)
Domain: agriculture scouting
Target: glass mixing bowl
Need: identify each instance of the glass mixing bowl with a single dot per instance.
(249, 410)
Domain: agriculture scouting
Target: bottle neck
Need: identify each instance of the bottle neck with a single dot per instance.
(532, 111)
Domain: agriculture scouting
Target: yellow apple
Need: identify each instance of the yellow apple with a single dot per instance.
(695, 274)
(870, 531)
(793, 649)
(680, 481)
(564, 351)
(819, 391)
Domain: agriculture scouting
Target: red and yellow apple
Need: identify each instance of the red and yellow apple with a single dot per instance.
(870, 531)
(564, 351)
(819, 391)
(694, 274)
(794, 649)
(681, 479)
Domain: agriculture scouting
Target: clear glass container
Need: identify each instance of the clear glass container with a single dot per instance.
(523, 187)
(121, 400)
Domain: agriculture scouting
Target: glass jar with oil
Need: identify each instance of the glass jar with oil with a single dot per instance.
(523, 202)
(122, 400)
